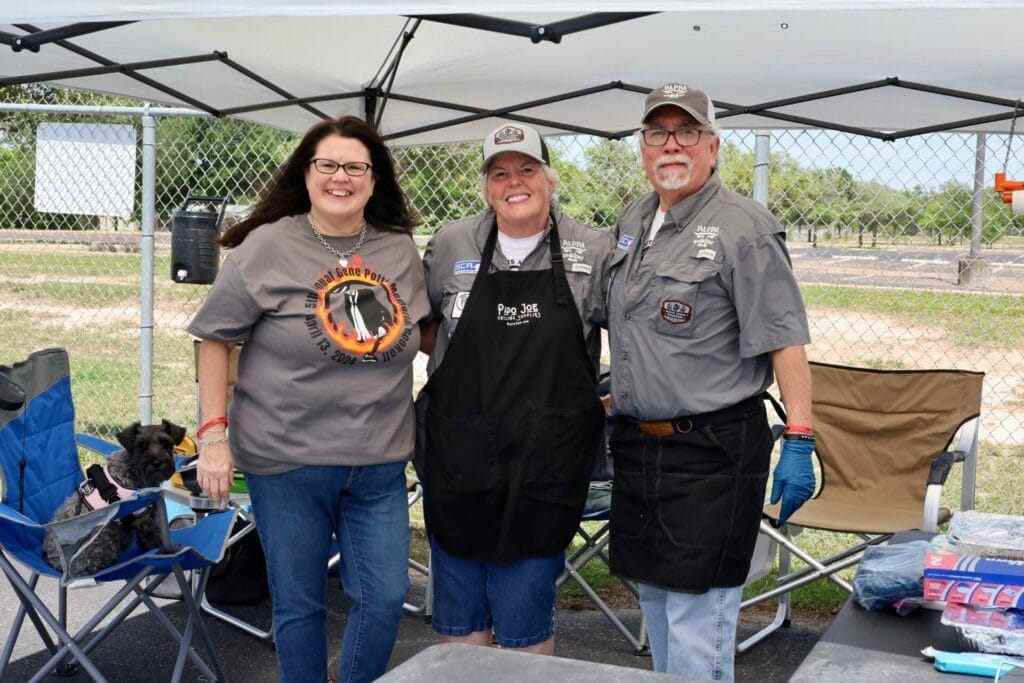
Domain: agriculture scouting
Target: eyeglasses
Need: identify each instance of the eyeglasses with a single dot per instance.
(685, 137)
(351, 168)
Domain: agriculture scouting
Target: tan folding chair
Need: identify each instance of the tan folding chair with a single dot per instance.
(883, 440)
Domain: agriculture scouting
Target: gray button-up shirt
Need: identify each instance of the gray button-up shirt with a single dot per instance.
(692, 318)
(452, 259)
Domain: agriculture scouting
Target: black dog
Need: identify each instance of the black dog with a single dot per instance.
(146, 461)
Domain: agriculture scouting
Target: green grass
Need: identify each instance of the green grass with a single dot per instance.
(975, 321)
(59, 260)
(80, 294)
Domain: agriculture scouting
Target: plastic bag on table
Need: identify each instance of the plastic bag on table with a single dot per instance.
(890, 573)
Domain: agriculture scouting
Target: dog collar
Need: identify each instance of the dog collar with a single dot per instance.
(101, 489)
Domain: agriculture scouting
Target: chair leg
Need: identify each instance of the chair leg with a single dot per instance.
(638, 646)
(781, 620)
(34, 606)
(409, 607)
(24, 609)
(80, 653)
(829, 567)
(195, 623)
(594, 545)
(68, 666)
(206, 606)
(782, 609)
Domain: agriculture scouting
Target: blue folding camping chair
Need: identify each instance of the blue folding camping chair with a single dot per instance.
(40, 469)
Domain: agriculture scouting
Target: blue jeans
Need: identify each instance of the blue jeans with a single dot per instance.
(366, 509)
(692, 634)
(517, 599)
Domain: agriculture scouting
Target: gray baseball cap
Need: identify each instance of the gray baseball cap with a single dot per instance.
(515, 137)
(694, 102)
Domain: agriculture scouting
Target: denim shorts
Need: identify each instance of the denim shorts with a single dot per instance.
(517, 600)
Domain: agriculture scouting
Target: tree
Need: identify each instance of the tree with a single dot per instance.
(215, 158)
(947, 212)
(609, 179)
(442, 183)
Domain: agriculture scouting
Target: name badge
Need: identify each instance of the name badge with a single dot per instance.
(459, 305)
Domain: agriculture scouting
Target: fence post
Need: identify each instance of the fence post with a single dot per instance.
(762, 143)
(973, 270)
(148, 248)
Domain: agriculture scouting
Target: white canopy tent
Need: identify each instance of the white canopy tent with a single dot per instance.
(445, 70)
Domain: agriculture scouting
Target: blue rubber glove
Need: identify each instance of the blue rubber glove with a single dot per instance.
(794, 475)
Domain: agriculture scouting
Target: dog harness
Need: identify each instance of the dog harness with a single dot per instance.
(100, 489)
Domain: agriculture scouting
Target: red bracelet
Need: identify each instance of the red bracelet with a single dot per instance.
(798, 429)
(211, 423)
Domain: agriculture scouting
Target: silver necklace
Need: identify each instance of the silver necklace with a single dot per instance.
(342, 255)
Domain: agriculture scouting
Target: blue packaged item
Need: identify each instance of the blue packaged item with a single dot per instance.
(890, 573)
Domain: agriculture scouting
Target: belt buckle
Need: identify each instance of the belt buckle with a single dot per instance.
(683, 425)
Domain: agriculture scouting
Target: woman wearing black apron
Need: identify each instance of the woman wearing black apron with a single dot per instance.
(514, 421)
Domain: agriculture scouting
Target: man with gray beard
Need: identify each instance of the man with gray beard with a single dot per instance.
(703, 313)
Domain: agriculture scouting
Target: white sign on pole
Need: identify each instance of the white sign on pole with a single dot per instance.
(85, 168)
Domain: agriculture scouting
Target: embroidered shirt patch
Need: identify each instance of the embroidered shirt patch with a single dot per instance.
(676, 312)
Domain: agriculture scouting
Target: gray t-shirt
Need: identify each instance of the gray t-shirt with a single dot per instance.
(452, 260)
(692, 319)
(325, 374)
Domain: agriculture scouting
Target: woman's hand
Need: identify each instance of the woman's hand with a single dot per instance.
(216, 472)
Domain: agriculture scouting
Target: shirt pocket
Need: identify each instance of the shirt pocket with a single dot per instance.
(677, 295)
(579, 285)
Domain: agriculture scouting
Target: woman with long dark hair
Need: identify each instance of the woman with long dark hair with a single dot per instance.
(324, 289)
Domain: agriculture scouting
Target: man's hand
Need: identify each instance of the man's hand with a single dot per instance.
(794, 475)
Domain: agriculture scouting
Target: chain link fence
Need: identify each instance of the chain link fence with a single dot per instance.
(902, 261)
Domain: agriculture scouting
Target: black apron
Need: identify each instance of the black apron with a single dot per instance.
(513, 419)
(686, 507)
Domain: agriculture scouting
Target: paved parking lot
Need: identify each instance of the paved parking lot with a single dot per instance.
(138, 651)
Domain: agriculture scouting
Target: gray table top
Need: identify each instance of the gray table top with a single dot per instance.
(883, 646)
(456, 662)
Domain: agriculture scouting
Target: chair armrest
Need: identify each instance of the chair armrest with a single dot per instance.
(96, 445)
(941, 466)
(937, 474)
(9, 514)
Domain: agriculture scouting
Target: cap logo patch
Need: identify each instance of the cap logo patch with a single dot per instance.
(509, 135)
(674, 90)
(676, 312)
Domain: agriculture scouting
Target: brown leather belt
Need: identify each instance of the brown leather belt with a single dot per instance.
(688, 423)
(665, 428)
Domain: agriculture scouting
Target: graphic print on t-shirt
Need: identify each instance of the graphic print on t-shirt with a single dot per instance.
(358, 315)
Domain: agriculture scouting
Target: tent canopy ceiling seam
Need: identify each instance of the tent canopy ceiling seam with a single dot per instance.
(376, 97)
